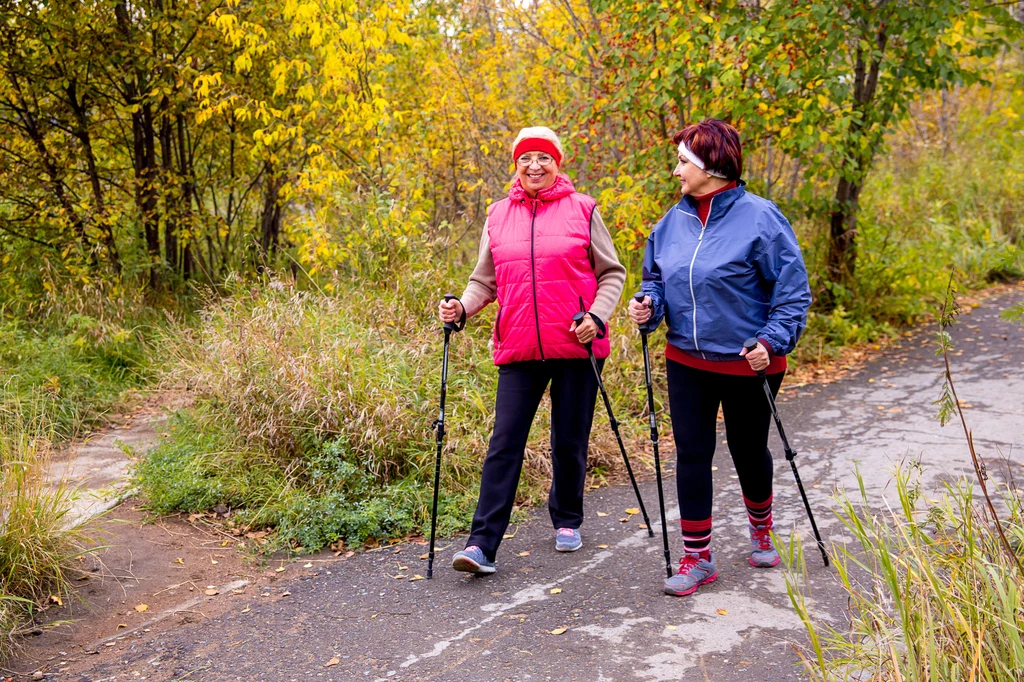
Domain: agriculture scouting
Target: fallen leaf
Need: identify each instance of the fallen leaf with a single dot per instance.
(333, 661)
(142, 607)
(308, 566)
(246, 610)
(278, 569)
(109, 644)
(526, 553)
(120, 625)
(671, 627)
(209, 592)
(714, 468)
(425, 555)
(556, 590)
(624, 519)
(602, 546)
(602, 514)
(722, 612)
(403, 568)
(559, 631)
(632, 510)
(286, 594)
(214, 562)
(400, 576)
(179, 560)
(643, 526)
(416, 577)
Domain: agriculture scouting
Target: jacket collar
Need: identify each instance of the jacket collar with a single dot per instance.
(563, 187)
(720, 204)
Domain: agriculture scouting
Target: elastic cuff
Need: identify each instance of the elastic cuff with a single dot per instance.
(768, 347)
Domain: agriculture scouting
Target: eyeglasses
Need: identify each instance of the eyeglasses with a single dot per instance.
(542, 160)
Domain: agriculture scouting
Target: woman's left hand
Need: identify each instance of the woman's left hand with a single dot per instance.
(586, 331)
(758, 358)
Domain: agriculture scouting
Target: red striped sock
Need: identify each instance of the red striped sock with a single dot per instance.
(759, 513)
(697, 536)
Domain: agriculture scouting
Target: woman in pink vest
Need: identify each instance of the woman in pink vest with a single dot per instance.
(542, 250)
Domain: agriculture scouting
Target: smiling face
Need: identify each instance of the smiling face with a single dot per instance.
(695, 182)
(536, 171)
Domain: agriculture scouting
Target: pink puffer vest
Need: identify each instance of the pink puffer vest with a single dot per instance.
(540, 250)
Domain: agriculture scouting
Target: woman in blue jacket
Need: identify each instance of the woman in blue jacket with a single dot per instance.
(722, 266)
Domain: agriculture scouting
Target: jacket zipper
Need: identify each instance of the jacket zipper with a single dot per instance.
(693, 298)
(533, 280)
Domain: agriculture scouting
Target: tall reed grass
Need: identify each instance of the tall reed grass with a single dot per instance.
(932, 593)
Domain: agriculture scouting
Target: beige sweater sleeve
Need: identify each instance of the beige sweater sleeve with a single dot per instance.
(483, 283)
(611, 275)
(482, 288)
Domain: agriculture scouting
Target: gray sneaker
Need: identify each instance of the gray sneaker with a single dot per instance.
(762, 551)
(693, 572)
(568, 540)
(472, 560)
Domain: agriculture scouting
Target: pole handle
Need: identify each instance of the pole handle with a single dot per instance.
(450, 326)
(645, 328)
(751, 345)
(578, 319)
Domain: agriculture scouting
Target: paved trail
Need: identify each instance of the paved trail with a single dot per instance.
(356, 621)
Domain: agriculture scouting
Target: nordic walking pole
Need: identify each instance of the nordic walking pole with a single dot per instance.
(644, 331)
(578, 318)
(438, 425)
(749, 345)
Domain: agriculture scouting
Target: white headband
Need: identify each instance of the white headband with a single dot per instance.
(695, 160)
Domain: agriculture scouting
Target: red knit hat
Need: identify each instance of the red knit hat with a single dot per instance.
(538, 139)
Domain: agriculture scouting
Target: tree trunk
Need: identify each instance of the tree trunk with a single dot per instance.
(80, 109)
(841, 261)
(270, 220)
(143, 149)
(146, 197)
(185, 199)
(169, 189)
(841, 258)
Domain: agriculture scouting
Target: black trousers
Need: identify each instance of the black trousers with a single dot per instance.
(521, 386)
(694, 396)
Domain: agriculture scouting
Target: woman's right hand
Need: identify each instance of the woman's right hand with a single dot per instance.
(640, 312)
(450, 311)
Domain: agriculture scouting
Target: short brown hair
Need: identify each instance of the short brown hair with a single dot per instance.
(717, 144)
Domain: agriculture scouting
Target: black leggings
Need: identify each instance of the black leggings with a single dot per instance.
(521, 386)
(694, 396)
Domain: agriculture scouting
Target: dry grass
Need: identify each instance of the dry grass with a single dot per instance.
(37, 549)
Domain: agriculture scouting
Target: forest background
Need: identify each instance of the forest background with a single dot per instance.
(262, 202)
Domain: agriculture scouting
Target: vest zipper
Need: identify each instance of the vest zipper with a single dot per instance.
(693, 298)
(497, 325)
(533, 279)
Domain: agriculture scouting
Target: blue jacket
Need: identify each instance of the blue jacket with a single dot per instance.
(740, 276)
